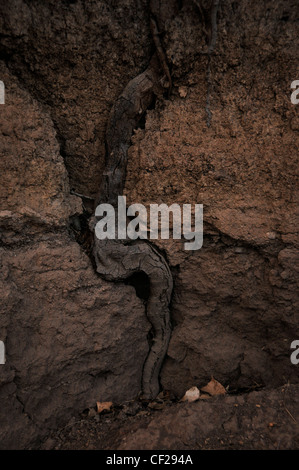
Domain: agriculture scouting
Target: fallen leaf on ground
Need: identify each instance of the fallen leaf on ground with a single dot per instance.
(213, 388)
(103, 406)
(205, 396)
(91, 412)
(156, 406)
(192, 394)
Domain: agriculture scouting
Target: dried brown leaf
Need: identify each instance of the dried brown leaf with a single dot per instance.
(204, 396)
(156, 406)
(214, 388)
(104, 406)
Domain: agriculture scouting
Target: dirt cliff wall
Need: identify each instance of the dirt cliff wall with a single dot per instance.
(226, 137)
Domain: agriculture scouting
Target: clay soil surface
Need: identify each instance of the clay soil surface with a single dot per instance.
(259, 420)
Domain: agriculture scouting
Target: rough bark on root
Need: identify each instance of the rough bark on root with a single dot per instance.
(117, 260)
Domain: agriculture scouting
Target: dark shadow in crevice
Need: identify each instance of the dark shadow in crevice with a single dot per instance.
(80, 231)
(142, 120)
(140, 281)
(245, 390)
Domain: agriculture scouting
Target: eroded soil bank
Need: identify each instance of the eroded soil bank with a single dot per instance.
(225, 136)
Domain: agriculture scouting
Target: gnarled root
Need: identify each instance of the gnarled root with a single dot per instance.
(116, 261)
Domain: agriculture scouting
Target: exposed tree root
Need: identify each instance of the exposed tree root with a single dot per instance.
(117, 260)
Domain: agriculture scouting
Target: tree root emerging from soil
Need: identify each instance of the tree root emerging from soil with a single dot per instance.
(117, 260)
